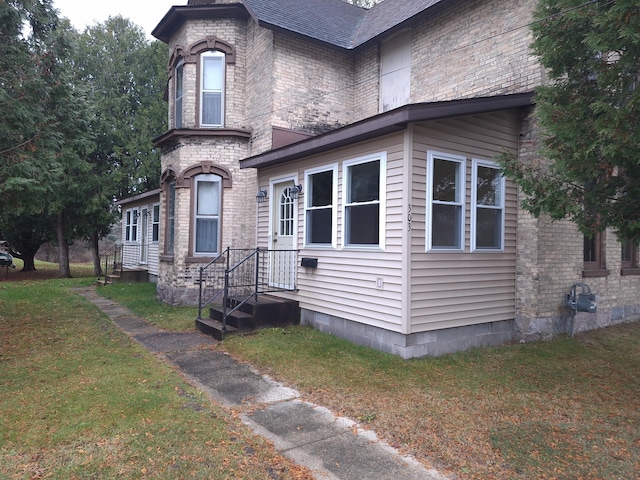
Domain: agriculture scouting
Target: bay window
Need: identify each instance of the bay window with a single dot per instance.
(212, 79)
(207, 214)
(171, 218)
(179, 91)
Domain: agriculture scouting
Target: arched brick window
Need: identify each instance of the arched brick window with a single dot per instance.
(211, 56)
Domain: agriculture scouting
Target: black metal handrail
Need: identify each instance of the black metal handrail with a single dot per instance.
(244, 274)
(112, 261)
(119, 257)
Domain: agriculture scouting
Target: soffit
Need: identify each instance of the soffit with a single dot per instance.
(382, 124)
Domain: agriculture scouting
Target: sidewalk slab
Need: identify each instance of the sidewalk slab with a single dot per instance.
(231, 383)
(333, 448)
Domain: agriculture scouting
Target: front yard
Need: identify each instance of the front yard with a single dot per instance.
(79, 399)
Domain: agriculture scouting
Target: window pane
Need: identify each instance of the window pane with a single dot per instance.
(208, 198)
(171, 209)
(321, 189)
(590, 249)
(362, 224)
(488, 228)
(213, 69)
(211, 108)
(364, 182)
(446, 226)
(179, 80)
(627, 250)
(445, 180)
(489, 181)
(319, 226)
(206, 235)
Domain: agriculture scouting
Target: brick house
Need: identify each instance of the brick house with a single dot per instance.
(370, 137)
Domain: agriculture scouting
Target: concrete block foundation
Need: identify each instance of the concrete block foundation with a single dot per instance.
(415, 345)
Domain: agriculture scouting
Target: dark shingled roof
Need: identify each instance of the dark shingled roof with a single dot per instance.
(386, 15)
(330, 21)
(334, 22)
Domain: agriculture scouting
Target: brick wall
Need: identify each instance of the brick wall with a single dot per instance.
(474, 48)
(312, 85)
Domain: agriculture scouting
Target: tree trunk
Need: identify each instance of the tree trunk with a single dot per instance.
(63, 247)
(28, 258)
(95, 254)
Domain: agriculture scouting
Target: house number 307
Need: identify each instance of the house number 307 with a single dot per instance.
(409, 218)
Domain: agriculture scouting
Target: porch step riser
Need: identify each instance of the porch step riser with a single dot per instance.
(214, 328)
(268, 312)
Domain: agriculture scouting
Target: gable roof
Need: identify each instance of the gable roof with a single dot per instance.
(334, 22)
(385, 123)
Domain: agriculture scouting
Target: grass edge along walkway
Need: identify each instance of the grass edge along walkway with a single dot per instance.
(81, 400)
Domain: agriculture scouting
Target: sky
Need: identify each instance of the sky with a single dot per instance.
(146, 13)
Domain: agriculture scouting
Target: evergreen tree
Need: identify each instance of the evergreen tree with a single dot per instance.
(589, 113)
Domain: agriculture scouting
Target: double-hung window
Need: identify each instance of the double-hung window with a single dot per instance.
(364, 187)
(594, 255)
(155, 223)
(445, 201)
(629, 256)
(487, 209)
(131, 225)
(179, 91)
(207, 214)
(320, 205)
(212, 78)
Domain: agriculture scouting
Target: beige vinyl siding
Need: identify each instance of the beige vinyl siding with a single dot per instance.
(345, 282)
(450, 289)
(153, 257)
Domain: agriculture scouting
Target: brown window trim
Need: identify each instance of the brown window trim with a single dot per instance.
(595, 272)
(629, 271)
(596, 267)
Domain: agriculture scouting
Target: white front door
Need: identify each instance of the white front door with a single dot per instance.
(143, 235)
(283, 229)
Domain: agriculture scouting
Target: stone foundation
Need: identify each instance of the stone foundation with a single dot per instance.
(177, 296)
(545, 328)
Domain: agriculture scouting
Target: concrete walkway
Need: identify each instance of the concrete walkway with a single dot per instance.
(333, 448)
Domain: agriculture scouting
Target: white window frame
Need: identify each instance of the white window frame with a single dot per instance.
(474, 205)
(131, 225)
(382, 158)
(209, 177)
(334, 205)
(155, 223)
(460, 199)
(178, 97)
(203, 56)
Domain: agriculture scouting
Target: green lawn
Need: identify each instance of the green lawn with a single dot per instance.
(569, 408)
(79, 399)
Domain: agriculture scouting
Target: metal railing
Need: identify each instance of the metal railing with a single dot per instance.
(243, 274)
(111, 263)
(119, 257)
